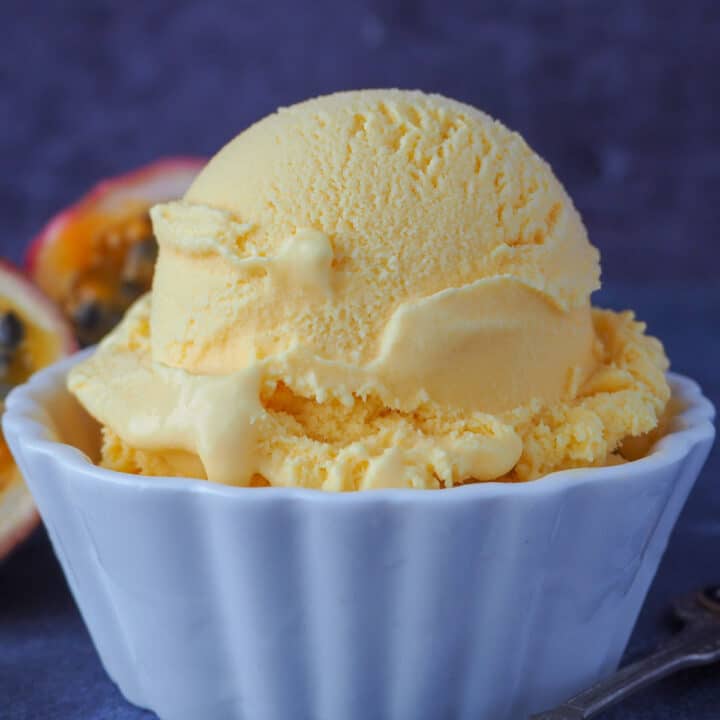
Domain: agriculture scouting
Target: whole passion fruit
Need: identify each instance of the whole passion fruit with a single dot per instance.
(33, 333)
(97, 256)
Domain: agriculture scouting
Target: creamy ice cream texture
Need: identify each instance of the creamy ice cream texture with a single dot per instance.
(372, 289)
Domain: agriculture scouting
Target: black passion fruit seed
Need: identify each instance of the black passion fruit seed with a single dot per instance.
(88, 315)
(93, 320)
(13, 359)
(12, 332)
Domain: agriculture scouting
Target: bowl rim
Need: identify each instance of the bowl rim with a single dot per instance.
(25, 423)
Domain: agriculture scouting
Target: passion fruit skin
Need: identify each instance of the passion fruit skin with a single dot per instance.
(97, 257)
(20, 533)
(21, 304)
(18, 283)
(103, 189)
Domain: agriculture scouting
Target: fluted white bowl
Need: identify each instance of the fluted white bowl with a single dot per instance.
(483, 602)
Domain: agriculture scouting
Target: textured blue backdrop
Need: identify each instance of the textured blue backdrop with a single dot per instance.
(620, 97)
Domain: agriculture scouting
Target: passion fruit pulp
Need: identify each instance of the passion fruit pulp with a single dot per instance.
(32, 334)
(97, 257)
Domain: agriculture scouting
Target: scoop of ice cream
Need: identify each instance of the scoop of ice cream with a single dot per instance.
(352, 228)
(376, 288)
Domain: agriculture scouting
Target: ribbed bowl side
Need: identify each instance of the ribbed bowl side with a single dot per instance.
(48, 482)
(257, 609)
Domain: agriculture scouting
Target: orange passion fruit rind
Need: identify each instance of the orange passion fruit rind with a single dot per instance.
(33, 334)
(97, 256)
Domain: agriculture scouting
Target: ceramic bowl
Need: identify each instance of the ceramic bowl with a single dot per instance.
(487, 601)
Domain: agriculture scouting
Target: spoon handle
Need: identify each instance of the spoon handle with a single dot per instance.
(696, 645)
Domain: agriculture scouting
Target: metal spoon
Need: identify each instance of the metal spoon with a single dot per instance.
(698, 643)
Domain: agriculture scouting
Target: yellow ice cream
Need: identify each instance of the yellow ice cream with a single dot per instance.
(372, 289)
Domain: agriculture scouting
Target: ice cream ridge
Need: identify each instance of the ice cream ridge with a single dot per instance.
(372, 289)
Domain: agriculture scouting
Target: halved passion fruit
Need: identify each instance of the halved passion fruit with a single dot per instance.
(95, 258)
(33, 333)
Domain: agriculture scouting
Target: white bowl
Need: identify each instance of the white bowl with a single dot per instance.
(488, 601)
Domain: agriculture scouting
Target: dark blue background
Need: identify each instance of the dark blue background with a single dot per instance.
(620, 97)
